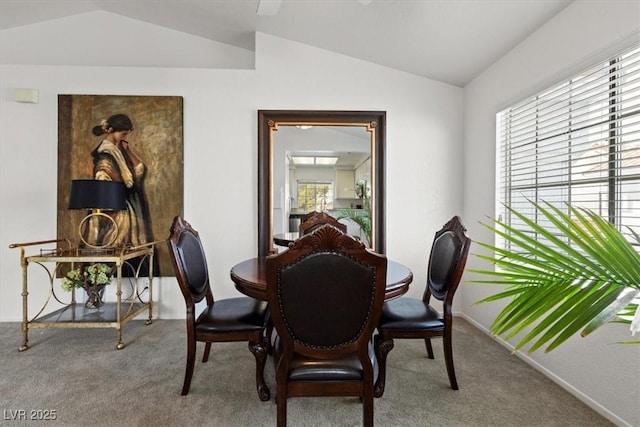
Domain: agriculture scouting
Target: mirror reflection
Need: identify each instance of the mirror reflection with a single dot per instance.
(322, 169)
(322, 161)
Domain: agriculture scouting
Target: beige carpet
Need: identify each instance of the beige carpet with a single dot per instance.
(78, 375)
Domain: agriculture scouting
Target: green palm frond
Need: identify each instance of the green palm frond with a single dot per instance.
(573, 277)
(361, 217)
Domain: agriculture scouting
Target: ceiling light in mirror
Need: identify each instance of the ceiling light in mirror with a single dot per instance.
(319, 161)
(326, 161)
(303, 160)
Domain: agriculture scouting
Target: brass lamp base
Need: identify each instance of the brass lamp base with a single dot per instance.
(92, 245)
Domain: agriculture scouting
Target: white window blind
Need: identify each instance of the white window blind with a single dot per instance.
(577, 142)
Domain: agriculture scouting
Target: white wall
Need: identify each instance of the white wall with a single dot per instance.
(424, 135)
(426, 160)
(606, 374)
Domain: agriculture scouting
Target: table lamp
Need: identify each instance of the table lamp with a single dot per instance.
(97, 196)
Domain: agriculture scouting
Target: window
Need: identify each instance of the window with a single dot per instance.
(577, 142)
(315, 195)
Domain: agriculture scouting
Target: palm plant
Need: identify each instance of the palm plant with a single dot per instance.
(361, 217)
(576, 277)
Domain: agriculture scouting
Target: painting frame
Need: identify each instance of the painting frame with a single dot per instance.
(157, 139)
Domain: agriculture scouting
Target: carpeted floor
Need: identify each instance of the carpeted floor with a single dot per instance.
(77, 376)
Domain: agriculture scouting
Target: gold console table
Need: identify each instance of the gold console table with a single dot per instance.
(73, 314)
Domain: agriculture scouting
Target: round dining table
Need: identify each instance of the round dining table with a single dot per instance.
(250, 278)
(283, 239)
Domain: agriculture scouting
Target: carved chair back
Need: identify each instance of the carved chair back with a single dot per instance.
(320, 218)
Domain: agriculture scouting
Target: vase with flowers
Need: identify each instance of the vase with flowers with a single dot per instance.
(92, 278)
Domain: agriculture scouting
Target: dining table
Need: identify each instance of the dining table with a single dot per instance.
(283, 239)
(250, 278)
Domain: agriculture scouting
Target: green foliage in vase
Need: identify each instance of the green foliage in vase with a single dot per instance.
(86, 277)
(574, 277)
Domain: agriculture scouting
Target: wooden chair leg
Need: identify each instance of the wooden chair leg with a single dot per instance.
(269, 335)
(427, 344)
(382, 348)
(448, 358)
(281, 402)
(207, 350)
(367, 407)
(260, 353)
(191, 360)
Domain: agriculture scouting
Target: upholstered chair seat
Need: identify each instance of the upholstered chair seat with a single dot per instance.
(347, 368)
(410, 314)
(233, 315)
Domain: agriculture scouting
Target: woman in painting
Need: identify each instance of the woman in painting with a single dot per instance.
(114, 160)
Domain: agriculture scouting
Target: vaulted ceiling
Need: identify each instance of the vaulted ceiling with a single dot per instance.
(451, 41)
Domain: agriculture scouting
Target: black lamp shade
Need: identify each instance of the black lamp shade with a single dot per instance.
(96, 194)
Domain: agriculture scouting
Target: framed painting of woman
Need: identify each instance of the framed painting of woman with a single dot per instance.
(136, 140)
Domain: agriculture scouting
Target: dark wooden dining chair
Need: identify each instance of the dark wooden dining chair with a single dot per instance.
(325, 293)
(407, 317)
(224, 320)
(308, 215)
(318, 219)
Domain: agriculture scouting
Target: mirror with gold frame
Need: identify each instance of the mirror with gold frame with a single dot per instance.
(273, 203)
